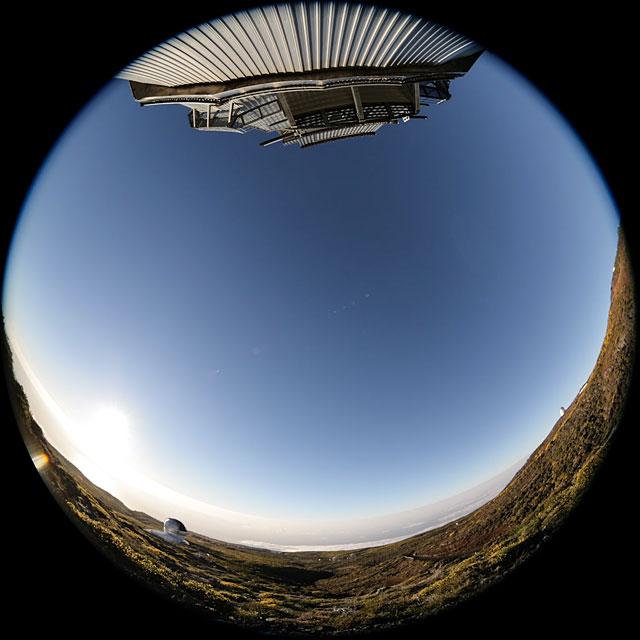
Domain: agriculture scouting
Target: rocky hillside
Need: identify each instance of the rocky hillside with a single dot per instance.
(381, 587)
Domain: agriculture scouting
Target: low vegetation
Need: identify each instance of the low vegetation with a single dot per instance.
(345, 591)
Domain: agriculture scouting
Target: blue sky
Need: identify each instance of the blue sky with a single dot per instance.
(337, 333)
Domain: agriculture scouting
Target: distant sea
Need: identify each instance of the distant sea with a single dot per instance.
(405, 524)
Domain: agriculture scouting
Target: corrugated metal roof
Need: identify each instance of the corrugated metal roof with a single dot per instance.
(289, 38)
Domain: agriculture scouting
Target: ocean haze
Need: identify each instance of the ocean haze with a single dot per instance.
(394, 527)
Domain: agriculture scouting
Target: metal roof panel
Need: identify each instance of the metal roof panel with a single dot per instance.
(296, 37)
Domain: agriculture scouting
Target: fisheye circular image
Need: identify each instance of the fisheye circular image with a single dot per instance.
(319, 319)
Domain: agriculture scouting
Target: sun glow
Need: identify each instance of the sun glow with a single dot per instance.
(108, 435)
(105, 443)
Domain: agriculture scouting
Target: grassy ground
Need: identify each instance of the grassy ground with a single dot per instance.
(341, 592)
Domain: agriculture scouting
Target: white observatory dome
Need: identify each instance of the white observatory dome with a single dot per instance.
(174, 527)
(173, 531)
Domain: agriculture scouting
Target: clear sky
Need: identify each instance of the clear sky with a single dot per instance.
(337, 333)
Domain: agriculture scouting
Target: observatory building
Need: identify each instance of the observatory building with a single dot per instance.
(309, 72)
(173, 531)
